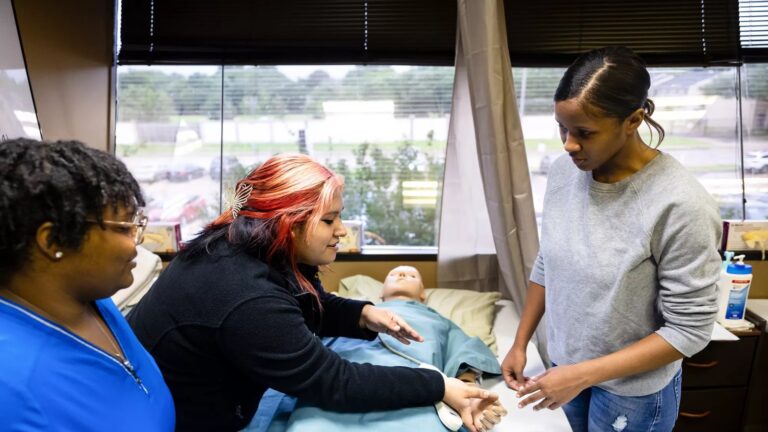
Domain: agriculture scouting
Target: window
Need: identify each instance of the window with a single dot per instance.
(754, 100)
(699, 110)
(18, 117)
(188, 133)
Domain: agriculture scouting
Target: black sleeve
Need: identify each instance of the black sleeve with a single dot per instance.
(341, 317)
(267, 339)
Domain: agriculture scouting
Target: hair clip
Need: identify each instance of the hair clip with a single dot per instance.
(242, 193)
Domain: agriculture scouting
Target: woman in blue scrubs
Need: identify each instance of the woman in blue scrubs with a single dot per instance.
(71, 219)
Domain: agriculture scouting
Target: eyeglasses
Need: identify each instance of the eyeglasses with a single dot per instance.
(136, 227)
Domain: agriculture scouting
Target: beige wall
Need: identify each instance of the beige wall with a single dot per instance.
(375, 269)
(379, 269)
(68, 48)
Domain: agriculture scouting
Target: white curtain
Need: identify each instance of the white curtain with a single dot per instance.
(488, 236)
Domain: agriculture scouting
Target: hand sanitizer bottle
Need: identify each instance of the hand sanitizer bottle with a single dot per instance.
(734, 289)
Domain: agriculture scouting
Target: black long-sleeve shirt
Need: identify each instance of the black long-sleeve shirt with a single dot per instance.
(223, 327)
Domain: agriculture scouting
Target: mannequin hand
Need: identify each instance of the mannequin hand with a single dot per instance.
(469, 401)
(553, 388)
(384, 321)
(512, 369)
(486, 415)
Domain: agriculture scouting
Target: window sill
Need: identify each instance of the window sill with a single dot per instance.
(370, 253)
(391, 253)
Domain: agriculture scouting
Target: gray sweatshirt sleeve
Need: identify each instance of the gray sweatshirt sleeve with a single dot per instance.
(537, 271)
(685, 249)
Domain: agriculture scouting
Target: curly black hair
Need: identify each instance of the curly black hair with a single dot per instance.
(62, 182)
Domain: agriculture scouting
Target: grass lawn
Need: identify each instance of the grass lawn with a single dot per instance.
(167, 150)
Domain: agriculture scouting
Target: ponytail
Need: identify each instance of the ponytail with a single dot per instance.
(648, 108)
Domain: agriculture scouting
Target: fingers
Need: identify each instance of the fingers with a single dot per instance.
(400, 330)
(487, 424)
(466, 418)
(521, 380)
(513, 383)
(497, 410)
(556, 405)
(512, 369)
(481, 424)
(509, 377)
(546, 403)
(399, 338)
(531, 387)
(479, 392)
(408, 331)
(531, 399)
(490, 417)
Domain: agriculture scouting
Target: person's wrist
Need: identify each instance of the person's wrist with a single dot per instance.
(589, 373)
(363, 319)
(519, 345)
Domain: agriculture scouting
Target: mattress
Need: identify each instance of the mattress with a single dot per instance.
(526, 419)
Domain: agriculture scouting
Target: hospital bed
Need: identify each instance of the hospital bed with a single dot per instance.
(526, 419)
(504, 327)
(517, 420)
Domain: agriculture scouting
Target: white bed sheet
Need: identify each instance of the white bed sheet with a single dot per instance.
(526, 419)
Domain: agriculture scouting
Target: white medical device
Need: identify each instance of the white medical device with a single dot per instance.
(448, 416)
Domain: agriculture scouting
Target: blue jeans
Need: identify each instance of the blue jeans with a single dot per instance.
(595, 409)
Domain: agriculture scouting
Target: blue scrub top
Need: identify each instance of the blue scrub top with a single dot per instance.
(52, 379)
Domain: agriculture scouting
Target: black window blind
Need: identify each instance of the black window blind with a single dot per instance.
(287, 32)
(663, 32)
(540, 32)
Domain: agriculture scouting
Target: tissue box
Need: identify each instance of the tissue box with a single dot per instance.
(162, 237)
(353, 241)
(744, 235)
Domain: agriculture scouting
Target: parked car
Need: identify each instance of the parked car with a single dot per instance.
(147, 173)
(232, 168)
(181, 171)
(756, 162)
(182, 209)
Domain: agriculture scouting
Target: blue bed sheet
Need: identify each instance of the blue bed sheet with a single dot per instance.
(446, 346)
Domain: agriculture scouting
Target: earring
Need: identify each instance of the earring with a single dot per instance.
(58, 255)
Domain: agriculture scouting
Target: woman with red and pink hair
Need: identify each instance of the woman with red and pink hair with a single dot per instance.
(241, 308)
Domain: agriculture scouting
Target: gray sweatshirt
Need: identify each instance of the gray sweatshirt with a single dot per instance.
(620, 261)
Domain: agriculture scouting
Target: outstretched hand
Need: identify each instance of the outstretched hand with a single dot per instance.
(468, 401)
(486, 413)
(385, 321)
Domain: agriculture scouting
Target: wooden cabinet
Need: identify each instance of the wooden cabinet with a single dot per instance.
(716, 385)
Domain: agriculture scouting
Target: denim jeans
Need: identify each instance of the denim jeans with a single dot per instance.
(596, 410)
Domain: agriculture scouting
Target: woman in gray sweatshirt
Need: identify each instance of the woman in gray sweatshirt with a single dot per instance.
(628, 259)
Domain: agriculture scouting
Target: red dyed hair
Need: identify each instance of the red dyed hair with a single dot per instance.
(288, 190)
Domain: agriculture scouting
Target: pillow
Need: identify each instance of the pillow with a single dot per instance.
(361, 287)
(472, 311)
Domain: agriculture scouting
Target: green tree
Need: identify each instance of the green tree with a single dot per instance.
(374, 193)
(540, 85)
(145, 95)
(424, 91)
